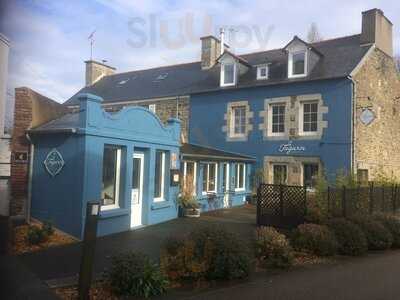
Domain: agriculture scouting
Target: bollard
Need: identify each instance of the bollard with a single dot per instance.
(88, 249)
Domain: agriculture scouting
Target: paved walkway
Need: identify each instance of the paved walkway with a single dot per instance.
(62, 262)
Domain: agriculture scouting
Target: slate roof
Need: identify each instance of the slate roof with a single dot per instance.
(339, 57)
(192, 151)
(66, 123)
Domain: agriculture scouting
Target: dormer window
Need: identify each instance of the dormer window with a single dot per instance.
(297, 65)
(228, 74)
(262, 72)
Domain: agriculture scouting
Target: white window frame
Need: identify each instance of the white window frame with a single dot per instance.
(232, 122)
(207, 165)
(261, 77)
(117, 182)
(270, 107)
(162, 184)
(222, 83)
(290, 64)
(194, 175)
(237, 187)
(273, 171)
(301, 118)
(152, 108)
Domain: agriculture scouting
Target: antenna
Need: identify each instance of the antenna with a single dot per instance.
(91, 38)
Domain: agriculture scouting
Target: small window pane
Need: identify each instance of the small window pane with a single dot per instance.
(298, 63)
(110, 177)
(310, 117)
(278, 118)
(280, 174)
(239, 120)
(158, 174)
(229, 73)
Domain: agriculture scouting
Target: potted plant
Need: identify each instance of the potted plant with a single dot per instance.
(187, 200)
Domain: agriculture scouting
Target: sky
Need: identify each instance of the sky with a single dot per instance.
(49, 38)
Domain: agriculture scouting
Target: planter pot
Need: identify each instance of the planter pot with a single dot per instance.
(191, 212)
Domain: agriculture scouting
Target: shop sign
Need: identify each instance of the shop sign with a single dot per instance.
(21, 157)
(54, 162)
(289, 148)
(367, 116)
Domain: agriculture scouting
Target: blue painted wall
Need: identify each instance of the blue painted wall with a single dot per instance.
(334, 148)
(62, 199)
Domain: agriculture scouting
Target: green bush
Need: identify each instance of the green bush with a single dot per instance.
(206, 253)
(315, 239)
(378, 237)
(351, 239)
(272, 248)
(47, 228)
(35, 235)
(133, 274)
(392, 224)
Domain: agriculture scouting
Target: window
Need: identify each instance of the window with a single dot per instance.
(310, 175)
(210, 178)
(238, 121)
(362, 176)
(159, 176)
(310, 117)
(225, 177)
(152, 108)
(278, 118)
(228, 74)
(262, 72)
(189, 176)
(240, 177)
(297, 64)
(280, 174)
(111, 177)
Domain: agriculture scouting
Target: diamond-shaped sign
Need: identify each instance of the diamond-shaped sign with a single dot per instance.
(367, 116)
(54, 162)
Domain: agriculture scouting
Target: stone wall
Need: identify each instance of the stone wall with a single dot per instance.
(31, 109)
(165, 109)
(377, 144)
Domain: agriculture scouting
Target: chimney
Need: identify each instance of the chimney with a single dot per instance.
(377, 29)
(96, 70)
(4, 49)
(210, 51)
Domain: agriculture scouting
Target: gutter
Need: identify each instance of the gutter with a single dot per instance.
(353, 125)
(202, 156)
(30, 176)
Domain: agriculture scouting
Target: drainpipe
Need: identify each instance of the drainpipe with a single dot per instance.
(353, 128)
(28, 200)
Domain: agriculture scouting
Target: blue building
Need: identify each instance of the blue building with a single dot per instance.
(130, 161)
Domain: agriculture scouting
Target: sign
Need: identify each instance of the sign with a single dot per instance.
(54, 162)
(21, 157)
(289, 148)
(175, 177)
(367, 116)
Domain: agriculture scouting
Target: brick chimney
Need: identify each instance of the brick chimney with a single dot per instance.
(96, 70)
(377, 29)
(210, 51)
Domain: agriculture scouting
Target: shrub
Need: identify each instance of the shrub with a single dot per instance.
(206, 253)
(272, 248)
(47, 228)
(378, 237)
(392, 224)
(134, 274)
(316, 239)
(35, 235)
(351, 239)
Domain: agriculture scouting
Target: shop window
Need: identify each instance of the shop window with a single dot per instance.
(309, 114)
(240, 177)
(310, 175)
(189, 176)
(111, 177)
(159, 176)
(210, 178)
(238, 121)
(225, 177)
(362, 176)
(279, 174)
